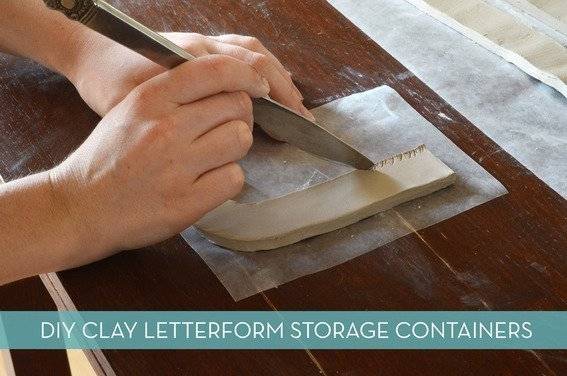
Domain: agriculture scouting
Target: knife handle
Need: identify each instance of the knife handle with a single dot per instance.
(78, 10)
(103, 18)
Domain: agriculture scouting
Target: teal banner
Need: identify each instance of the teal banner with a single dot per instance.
(283, 330)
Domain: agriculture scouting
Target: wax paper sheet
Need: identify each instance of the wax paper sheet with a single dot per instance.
(380, 124)
(523, 116)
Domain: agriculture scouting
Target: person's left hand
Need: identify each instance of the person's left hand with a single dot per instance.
(105, 72)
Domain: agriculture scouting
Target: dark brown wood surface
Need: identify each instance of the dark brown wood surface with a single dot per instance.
(30, 295)
(509, 254)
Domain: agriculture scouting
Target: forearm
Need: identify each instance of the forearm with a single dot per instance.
(37, 233)
(29, 29)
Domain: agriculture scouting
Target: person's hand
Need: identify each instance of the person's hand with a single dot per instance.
(162, 158)
(104, 72)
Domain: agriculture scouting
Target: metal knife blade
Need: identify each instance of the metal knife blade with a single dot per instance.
(283, 124)
(275, 119)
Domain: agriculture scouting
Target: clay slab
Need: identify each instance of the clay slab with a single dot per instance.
(327, 206)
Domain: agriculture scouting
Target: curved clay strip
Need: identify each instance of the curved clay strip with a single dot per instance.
(327, 206)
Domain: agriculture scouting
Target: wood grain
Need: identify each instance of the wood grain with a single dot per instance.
(507, 254)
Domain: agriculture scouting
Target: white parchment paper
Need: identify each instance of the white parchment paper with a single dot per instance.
(526, 118)
(380, 124)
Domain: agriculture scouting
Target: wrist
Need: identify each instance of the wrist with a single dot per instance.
(68, 228)
(61, 45)
(79, 41)
(35, 229)
(69, 197)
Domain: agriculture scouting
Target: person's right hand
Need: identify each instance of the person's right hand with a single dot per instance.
(162, 158)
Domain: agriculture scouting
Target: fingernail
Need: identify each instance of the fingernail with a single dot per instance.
(305, 112)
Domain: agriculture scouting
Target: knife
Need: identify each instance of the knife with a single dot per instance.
(275, 119)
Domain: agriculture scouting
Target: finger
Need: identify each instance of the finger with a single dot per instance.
(255, 45)
(282, 88)
(224, 144)
(203, 77)
(249, 56)
(193, 43)
(251, 50)
(215, 187)
(208, 113)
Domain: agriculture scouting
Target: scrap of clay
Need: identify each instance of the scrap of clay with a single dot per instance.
(554, 8)
(327, 206)
(552, 13)
(534, 52)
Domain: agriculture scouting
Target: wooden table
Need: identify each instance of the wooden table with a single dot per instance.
(30, 295)
(509, 254)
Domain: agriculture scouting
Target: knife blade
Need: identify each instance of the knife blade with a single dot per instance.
(274, 118)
